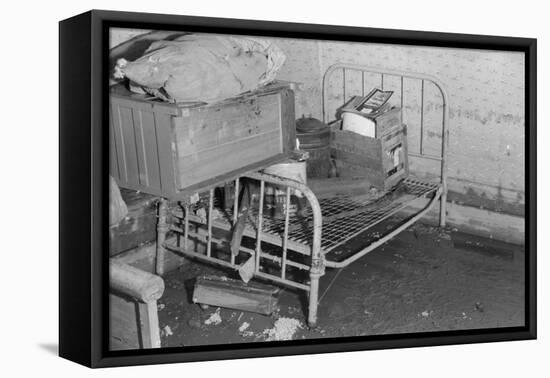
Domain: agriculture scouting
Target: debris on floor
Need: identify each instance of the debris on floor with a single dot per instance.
(246, 271)
(167, 331)
(283, 329)
(479, 307)
(235, 294)
(243, 330)
(214, 319)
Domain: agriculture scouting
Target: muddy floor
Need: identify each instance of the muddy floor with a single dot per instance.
(423, 280)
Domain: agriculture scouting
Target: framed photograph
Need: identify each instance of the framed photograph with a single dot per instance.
(235, 188)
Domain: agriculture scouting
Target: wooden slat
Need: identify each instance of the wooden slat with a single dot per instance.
(114, 170)
(235, 294)
(288, 121)
(117, 132)
(353, 143)
(146, 139)
(205, 128)
(143, 103)
(164, 133)
(230, 156)
(126, 120)
(143, 178)
(149, 325)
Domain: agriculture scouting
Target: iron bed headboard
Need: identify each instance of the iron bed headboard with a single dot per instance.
(422, 78)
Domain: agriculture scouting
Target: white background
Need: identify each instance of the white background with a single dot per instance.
(29, 168)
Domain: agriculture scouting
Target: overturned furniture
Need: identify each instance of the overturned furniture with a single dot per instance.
(295, 250)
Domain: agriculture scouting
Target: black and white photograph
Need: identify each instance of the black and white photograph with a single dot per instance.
(283, 188)
(271, 189)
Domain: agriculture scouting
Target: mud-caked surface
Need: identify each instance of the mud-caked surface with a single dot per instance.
(425, 279)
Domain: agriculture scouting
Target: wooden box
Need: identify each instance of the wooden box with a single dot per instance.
(171, 150)
(382, 161)
(387, 121)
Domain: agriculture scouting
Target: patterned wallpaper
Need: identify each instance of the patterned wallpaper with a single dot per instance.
(487, 124)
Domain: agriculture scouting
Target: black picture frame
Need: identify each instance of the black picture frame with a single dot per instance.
(83, 197)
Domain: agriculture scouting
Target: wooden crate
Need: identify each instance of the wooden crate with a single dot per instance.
(370, 159)
(171, 150)
(387, 121)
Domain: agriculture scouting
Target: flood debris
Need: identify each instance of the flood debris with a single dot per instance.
(283, 329)
(246, 270)
(167, 331)
(235, 294)
(479, 307)
(214, 319)
(243, 330)
(244, 327)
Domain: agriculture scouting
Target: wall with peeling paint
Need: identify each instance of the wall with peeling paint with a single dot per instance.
(486, 95)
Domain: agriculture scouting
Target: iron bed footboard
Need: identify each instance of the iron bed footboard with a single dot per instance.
(265, 230)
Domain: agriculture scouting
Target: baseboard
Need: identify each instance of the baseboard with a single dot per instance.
(476, 221)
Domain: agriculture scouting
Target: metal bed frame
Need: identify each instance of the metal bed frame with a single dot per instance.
(284, 249)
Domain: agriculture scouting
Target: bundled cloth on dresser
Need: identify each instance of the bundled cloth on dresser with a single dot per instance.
(198, 68)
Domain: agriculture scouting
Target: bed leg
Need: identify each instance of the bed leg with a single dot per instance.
(443, 209)
(317, 270)
(313, 299)
(162, 230)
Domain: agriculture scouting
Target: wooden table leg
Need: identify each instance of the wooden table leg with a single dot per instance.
(149, 325)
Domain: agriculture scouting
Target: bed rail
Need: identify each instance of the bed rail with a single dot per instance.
(401, 76)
